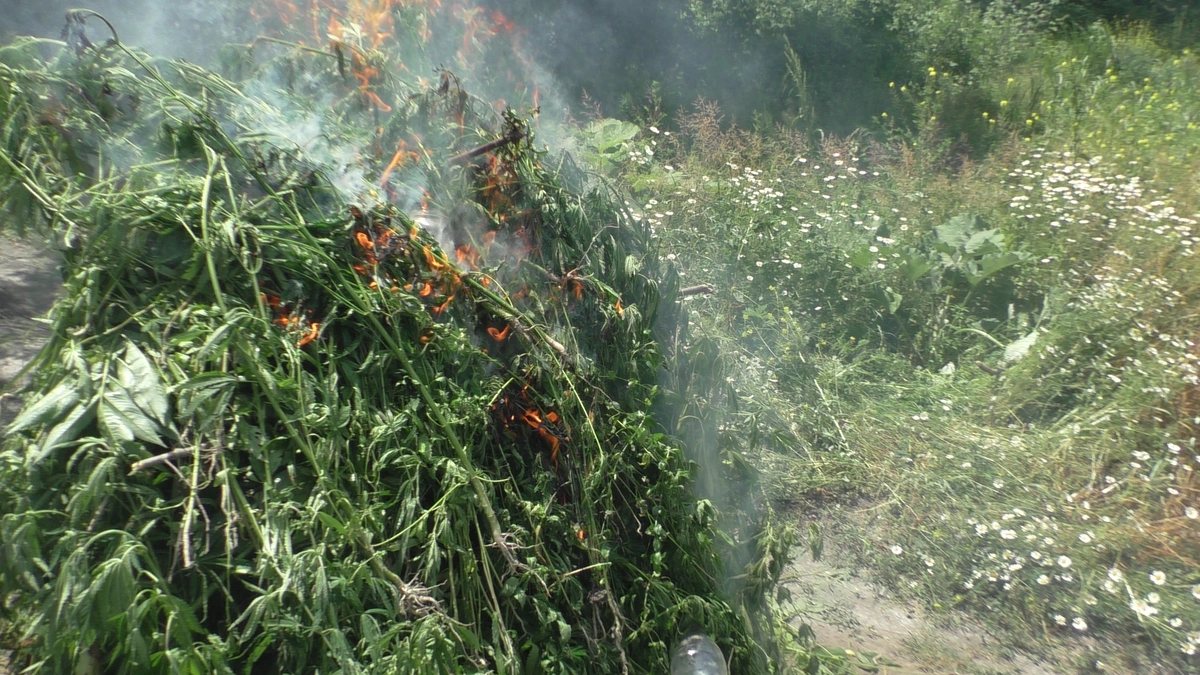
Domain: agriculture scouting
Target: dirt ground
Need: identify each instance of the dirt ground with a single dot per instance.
(845, 609)
(29, 283)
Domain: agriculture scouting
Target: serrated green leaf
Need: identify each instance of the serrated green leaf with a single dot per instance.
(65, 431)
(140, 378)
(215, 342)
(48, 409)
(201, 389)
(124, 420)
(632, 265)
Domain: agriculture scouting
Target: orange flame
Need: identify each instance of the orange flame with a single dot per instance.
(442, 307)
(403, 155)
(499, 335)
(533, 418)
(432, 261)
(500, 22)
(468, 255)
(552, 441)
(314, 330)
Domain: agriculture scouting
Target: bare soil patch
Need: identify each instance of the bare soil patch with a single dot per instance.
(845, 608)
(29, 284)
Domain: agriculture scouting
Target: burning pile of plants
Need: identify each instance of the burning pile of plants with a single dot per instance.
(346, 376)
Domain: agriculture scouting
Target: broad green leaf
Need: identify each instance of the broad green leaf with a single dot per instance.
(957, 231)
(990, 264)
(607, 135)
(864, 259)
(893, 299)
(915, 267)
(987, 241)
(48, 409)
(532, 662)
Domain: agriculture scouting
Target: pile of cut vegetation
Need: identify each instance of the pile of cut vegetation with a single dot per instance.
(346, 376)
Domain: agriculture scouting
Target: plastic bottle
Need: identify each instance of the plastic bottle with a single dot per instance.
(697, 654)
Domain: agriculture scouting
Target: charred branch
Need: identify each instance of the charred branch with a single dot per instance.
(702, 289)
(514, 135)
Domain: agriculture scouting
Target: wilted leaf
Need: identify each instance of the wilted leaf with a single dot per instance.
(816, 541)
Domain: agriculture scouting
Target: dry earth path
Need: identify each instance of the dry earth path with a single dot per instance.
(29, 283)
(845, 608)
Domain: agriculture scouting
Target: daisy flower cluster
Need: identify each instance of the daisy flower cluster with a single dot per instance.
(1075, 559)
(1086, 202)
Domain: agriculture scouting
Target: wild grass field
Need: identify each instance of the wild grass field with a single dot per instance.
(995, 350)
